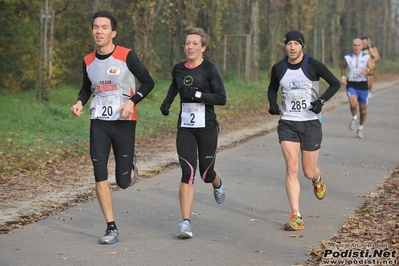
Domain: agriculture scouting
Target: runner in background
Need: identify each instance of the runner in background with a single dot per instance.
(375, 56)
(359, 66)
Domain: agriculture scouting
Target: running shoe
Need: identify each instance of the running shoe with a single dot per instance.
(352, 124)
(135, 172)
(295, 224)
(359, 133)
(320, 189)
(185, 230)
(219, 193)
(111, 236)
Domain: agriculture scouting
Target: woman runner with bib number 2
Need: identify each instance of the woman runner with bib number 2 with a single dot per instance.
(200, 85)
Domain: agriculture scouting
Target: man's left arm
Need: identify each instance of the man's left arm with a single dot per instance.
(323, 72)
(143, 76)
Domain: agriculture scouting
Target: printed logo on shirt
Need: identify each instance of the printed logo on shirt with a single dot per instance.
(106, 85)
(113, 70)
(294, 84)
(188, 80)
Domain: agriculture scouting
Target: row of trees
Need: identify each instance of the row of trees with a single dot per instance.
(246, 35)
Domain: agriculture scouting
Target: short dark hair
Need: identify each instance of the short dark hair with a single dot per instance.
(366, 38)
(199, 31)
(105, 14)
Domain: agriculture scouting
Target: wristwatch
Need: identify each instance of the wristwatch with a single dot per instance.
(198, 94)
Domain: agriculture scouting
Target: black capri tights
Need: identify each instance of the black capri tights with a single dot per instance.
(188, 143)
(119, 134)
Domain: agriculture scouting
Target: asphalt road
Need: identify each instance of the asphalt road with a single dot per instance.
(247, 229)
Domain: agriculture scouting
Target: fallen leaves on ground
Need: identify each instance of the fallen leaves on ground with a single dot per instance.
(375, 223)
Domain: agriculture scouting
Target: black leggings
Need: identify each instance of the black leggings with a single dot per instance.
(119, 134)
(187, 143)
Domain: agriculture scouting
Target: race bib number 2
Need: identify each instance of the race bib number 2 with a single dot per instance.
(193, 115)
(106, 107)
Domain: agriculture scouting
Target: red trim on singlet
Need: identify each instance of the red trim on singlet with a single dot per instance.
(120, 53)
(90, 58)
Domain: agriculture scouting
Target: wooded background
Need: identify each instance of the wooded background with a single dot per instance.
(244, 33)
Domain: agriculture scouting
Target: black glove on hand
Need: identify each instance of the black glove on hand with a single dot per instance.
(187, 93)
(274, 109)
(165, 108)
(316, 106)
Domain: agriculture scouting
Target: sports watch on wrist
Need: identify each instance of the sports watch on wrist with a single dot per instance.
(198, 94)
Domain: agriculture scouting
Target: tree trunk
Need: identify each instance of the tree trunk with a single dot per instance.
(315, 29)
(255, 32)
(144, 17)
(336, 33)
(96, 6)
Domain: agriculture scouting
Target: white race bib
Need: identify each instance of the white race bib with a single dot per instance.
(354, 75)
(106, 106)
(193, 115)
(297, 100)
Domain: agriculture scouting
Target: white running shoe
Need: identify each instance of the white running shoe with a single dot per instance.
(359, 133)
(352, 124)
(219, 193)
(185, 230)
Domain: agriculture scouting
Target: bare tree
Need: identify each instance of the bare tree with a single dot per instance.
(96, 5)
(336, 32)
(254, 32)
(45, 54)
(144, 16)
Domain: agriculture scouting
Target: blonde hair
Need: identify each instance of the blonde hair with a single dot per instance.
(199, 31)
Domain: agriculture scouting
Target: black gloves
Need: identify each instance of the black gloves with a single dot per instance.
(187, 93)
(274, 109)
(316, 106)
(165, 108)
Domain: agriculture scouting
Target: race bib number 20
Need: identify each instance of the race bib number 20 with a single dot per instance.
(106, 107)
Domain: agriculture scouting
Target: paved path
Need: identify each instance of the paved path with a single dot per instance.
(247, 228)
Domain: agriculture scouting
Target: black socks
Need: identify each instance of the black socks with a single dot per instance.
(111, 225)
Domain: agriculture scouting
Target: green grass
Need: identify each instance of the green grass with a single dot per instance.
(33, 134)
